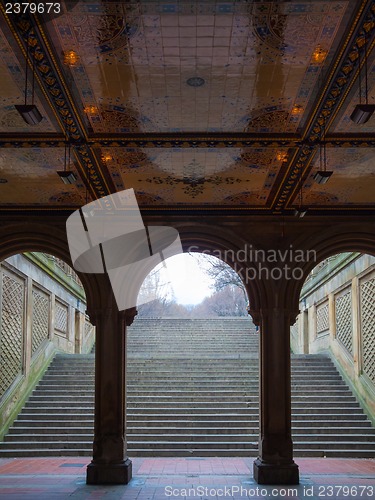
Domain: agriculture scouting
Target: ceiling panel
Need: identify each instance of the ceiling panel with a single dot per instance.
(12, 72)
(199, 66)
(190, 103)
(205, 176)
(343, 124)
(352, 181)
(28, 177)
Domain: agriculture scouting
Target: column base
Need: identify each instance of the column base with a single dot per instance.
(98, 473)
(275, 474)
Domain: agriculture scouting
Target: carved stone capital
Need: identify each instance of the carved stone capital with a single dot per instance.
(129, 315)
(95, 315)
(255, 314)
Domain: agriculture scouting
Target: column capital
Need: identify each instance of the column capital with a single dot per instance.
(129, 315)
(100, 313)
(255, 315)
(290, 313)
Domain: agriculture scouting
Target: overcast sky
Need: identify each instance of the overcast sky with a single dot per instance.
(189, 281)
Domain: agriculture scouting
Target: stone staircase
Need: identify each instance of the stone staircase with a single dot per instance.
(192, 388)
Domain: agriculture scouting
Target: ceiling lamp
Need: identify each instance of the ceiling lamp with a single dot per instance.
(29, 112)
(362, 112)
(107, 157)
(282, 156)
(70, 58)
(319, 55)
(323, 175)
(90, 110)
(297, 109)
(66, 175)
(301, 210)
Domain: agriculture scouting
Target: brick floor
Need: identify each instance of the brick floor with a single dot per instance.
(182, 478)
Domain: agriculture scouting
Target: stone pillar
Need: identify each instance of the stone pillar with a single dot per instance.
(110, 464)
(79, 331)
(275, 463)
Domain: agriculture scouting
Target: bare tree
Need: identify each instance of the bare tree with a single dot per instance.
(229, 301)
(221, 274)
(154, 295)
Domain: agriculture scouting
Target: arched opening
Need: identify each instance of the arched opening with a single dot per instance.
(47, 365)
(333, 376)
(192, 363)
(194, 285)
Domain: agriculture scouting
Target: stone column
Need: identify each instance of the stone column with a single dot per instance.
(110, 464)
(275, 463)
(79, 331)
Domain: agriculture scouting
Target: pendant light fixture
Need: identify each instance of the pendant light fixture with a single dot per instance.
(29, 112)
(67, 175)
(362, 112)
(323, 175)
(301, 210)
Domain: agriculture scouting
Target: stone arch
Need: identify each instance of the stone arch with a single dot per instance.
(325, 245)
(211, 238)
(22, 237)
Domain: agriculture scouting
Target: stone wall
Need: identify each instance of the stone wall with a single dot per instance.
(43, 308)
(338, 315)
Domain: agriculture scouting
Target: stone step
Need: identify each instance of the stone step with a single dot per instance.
(41, 451)
(192, 406)
(244, 386)
(237, 421)
(340, 432)
(205, 406)
(57, 445)
(162, 424)
(238, 452)
(310, 417)
(51, 432)
(77, 397)
(235, 437)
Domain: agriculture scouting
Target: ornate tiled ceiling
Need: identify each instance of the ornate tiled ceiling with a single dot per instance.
(193, 104)
(198, 67)
(353, 182)
(205, 175)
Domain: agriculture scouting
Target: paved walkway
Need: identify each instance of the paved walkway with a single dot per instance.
(184, 478)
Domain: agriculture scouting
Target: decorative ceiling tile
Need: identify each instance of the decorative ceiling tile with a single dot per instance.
(170, 82)
(144, 58)
(352, 181)
(343, 124)
(12, 73)
(30, 178)
(207, 175)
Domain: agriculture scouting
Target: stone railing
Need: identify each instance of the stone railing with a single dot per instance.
(338, 317)
(40, 314)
